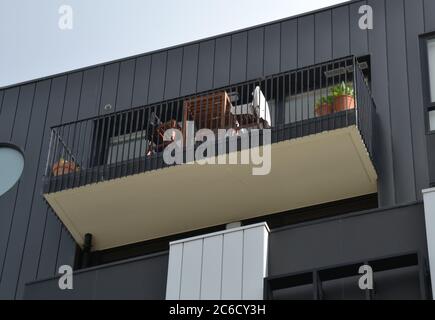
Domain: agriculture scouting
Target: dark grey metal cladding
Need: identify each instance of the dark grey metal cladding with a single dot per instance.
(141, 81)
(306, 48)
(323, 36)
(255, 53)
(340, 32)
(346, 239)
(125, 85)
(239, 46)
(396, 81)
(205, 66)
(142, 278)
(272, 37)
(158, 76)
(289, 45)
(91, 92)
(173, 73)
(222, 62)
(109, 88)
(190, 70)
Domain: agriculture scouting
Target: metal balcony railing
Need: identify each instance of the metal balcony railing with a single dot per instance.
(293, 104)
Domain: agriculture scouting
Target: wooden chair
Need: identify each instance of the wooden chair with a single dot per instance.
(209, 111)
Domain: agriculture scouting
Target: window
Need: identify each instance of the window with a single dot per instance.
(431, 57)
(11, 166)
(431, 73)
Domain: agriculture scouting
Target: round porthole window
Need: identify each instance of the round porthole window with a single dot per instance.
(11, 166)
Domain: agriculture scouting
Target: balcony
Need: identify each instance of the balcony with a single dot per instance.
(107, 176)
(142, 278)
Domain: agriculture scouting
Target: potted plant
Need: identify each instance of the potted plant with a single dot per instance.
(343, 97)
(64, 167)
(324, 106)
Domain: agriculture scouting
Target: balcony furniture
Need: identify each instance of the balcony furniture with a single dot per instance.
(157, 138)
(211, 111)
(255, 114)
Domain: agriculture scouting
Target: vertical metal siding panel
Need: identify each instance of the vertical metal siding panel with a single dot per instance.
(383, 155)
(52, 226)
(39, 212)
(289, 45)
(19, 229)
(254, 262)
(173, 74)
(9, 108)
(157, 79)
(414, 20)
(72, 97)
(19, 137)
(255, 53)
(50, 246)
(212, 268)
(429, 18)
(239, 43)
(174, 272)
(222, 62)
(2, 93)
(190, 69)
(125, 85)
(66, 250)
(191, 270)
(110, 88)
(358, 37)
(272, 50)
(91, 91)
(306, 41)
(205, 66)
(232, 266)
(323, 36)
(141, 81)
(340, 32)
(399, 100)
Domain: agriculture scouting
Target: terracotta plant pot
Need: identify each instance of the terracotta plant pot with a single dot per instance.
(342, 103)
(323, 109)
(64, 167)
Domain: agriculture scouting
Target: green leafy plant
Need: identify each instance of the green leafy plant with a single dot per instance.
(324, 100)
(342, 89)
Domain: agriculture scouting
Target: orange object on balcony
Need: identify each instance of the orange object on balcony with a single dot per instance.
(344, 102)
(64, 167)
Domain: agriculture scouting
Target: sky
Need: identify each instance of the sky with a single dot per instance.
(33, 45)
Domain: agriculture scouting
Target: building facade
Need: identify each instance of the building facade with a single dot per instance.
(350, 112)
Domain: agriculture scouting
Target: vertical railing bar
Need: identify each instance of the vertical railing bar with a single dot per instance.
(135, 140)
(83, 168)
(76, 162)
(49, 153)
(123, 162)
(66, 154)
(129, 159)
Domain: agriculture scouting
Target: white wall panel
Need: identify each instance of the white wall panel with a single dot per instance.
(254, 262)
(429, 216)
(212, 268)
(224, 265)
(174, 272)
(191, 270)
(232, 266)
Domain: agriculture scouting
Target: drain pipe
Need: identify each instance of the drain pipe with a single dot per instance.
(86, 257)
